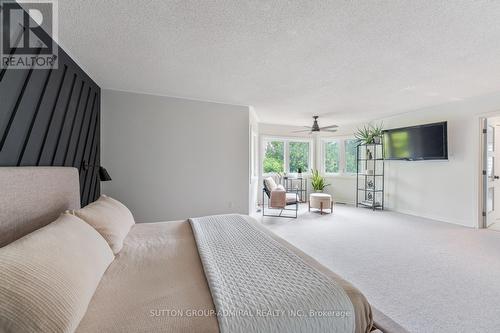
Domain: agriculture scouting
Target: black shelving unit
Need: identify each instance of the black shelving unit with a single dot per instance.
(370, 186)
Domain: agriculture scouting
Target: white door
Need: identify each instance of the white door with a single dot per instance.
(492, 171)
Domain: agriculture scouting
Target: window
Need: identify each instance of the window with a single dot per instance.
(350, 155)
(339, 156)
(286, 155)
(332, 157)
(299, 156)
(274, 157)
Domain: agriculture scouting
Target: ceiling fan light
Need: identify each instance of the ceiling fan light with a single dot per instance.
(315, 129)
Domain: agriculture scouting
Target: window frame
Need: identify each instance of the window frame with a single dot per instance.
(341, 141)
(345, 160)
(286, 152)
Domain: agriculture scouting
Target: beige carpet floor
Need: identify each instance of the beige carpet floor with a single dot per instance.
(426, 275)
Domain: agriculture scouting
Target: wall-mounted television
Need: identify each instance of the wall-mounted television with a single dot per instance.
(423, 142)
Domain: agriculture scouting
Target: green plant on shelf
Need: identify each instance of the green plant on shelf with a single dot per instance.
(369, 134)
(377, 132)
(364, 135)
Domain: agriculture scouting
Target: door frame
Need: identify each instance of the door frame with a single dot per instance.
(481, 181)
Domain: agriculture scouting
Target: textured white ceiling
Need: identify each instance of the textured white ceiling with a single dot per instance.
(345, 60)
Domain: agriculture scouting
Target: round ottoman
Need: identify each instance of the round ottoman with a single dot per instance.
(321, 201)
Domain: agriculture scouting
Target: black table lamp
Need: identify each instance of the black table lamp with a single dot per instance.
(104, 175)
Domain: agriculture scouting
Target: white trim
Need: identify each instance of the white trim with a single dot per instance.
(464, 223)
(322, 159)
(254, 152)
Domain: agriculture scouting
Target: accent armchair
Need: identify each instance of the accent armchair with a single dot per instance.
(278, 198)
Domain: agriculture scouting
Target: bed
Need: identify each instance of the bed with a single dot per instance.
(157, 283)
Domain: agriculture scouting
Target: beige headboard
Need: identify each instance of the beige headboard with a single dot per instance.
(32, 197)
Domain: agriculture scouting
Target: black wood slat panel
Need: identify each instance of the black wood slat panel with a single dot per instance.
(64, 125)
(87, 154)
(52, 117)
(84, 130)
(95, 162)
(9, 92)
(48, 141)
(18, 39)
(34, 145)
(34, 117)
(67, 130)
(12, 113)
(16, 132)
(81, 112)
(93, 171)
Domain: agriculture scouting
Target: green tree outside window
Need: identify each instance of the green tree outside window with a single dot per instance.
(332, 157)
(299, 156)
(274, 157)
(350, 155)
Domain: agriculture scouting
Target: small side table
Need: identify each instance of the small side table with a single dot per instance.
(299, 184)
(321, 201)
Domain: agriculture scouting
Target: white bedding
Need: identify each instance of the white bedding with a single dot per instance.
(258, 285)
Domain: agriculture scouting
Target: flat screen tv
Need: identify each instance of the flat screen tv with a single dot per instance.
(423, 142)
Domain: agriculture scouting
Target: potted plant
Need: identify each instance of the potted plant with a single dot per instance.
(377, 132)
(364, 135)
(317, 181)
(369, 134)
(299, 172)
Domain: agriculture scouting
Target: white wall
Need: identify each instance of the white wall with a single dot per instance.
(442, 190)
(173, 158)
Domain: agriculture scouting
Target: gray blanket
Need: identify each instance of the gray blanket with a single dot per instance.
(258, 285)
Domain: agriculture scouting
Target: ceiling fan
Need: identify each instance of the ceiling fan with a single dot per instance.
(316, 129)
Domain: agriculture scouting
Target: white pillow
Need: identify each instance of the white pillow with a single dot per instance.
(270, 183)
(280, 188)
(110, 218)
(48, 277)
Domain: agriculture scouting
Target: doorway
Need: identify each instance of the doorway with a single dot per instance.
(491, 173)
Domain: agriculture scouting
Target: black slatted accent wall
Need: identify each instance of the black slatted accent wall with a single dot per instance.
(51, 117)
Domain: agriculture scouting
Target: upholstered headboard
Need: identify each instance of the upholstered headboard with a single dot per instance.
(32, 197)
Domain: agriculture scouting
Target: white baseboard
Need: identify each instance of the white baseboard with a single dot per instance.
(463, 223)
